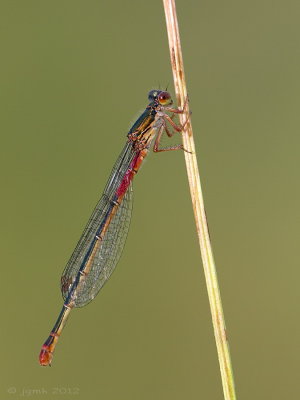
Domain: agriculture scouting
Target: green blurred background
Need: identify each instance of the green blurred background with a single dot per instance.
(74, 75)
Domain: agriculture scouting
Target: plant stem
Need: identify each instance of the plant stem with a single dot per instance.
(198, 205)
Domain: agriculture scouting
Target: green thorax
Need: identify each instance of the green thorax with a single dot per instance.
(144, 121)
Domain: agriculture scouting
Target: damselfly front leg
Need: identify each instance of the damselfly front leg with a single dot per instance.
(177, 127)
(174, 111)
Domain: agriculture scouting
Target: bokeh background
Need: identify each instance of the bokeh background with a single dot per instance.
(74, 75)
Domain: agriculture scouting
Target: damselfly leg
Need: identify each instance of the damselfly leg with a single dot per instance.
(177, 127)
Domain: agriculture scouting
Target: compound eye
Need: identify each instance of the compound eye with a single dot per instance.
(164, 98)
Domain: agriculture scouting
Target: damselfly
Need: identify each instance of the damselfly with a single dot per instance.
(102, 241)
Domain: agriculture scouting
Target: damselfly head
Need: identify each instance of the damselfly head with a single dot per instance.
(161, 97)
(152, 95)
